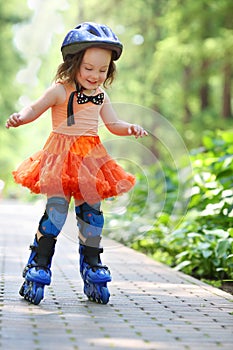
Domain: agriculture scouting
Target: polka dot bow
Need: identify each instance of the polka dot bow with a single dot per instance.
(97, 99)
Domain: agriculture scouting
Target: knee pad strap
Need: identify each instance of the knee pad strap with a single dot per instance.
(90, 220)
(54, 216)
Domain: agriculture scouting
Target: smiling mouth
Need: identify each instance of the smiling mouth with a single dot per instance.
(92, 82)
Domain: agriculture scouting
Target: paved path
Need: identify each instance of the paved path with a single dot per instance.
(151, 307)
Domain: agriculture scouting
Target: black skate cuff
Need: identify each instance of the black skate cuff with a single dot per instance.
(91, 251)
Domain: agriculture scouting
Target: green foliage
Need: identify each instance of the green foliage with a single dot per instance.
(202, 243)
(17, 32)
(10, 62)
(177, 68)
(9, 57)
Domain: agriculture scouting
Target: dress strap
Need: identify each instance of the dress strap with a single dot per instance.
(70, 110)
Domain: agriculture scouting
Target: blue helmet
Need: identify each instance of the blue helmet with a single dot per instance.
(89, 34)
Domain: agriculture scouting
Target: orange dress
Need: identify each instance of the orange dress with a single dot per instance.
(73, 161)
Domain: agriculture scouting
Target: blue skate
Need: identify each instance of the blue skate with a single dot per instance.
(33, 287)
(95, 275)
(37, 273)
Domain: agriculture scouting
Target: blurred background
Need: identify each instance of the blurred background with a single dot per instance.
(174, 77)
(177, 61)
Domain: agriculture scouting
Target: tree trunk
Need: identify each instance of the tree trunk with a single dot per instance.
(186, 90)
(204, 90)
(226, 106)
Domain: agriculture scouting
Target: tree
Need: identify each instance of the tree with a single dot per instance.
(10, 61)
(225, 18)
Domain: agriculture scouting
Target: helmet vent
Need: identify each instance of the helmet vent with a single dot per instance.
(93, 32)
(106, 32)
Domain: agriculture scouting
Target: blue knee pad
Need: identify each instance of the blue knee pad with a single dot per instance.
(90, 220)
(54, 216)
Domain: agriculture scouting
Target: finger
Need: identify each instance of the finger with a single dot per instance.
(136, 129)
(139, 131)
(8, 123)
(11, 122)
(14, 120)
(143, 133)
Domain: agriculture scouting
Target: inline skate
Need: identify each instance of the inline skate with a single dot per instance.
(95, 275)
(37, 272)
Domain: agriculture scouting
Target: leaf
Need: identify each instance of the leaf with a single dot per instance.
(224, 173)
(230, 230)
(182, 265)
(203, 246)
(222, 248)
(182, 254)
(194, 235)
(178, 234)
(230, 257)
(207, 253)
(217, 232)
(208, 141)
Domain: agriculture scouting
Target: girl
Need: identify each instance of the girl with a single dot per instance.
(73, 162)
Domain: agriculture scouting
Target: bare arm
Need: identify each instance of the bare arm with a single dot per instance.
(117, 126)
(52, 96)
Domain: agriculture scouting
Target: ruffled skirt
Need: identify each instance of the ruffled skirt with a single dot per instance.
(77, 166)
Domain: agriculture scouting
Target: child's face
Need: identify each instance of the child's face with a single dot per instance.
(94, 68)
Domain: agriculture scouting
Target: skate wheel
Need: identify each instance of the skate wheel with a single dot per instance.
(105, 295)
(32, 293)
(97, 293)
(21, 291)
(38, 297)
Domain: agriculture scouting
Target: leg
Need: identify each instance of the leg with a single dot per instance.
(95, 275)
(37, 273)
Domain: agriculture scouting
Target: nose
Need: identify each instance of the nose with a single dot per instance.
(95, 75)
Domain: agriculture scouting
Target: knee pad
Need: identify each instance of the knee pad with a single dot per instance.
(90, 220)
(54, 216)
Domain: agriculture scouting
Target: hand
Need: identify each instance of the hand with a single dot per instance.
(14, 121)
(137, 131)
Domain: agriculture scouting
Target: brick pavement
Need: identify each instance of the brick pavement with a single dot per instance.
(151, 306)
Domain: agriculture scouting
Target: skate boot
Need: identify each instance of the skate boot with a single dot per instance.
(37, 272)
(95, 275)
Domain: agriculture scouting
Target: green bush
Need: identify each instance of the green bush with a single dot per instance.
(202, 243)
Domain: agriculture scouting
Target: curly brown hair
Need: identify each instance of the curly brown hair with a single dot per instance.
(67, 70)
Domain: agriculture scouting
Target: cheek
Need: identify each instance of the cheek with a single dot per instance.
(81, 73)
(79, 76)
(104, 76)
